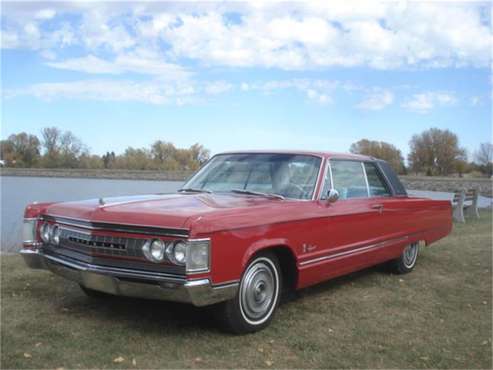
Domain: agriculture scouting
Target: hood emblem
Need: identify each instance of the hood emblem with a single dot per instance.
(101, 202)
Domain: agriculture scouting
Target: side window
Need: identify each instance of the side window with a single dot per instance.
(349, 179)
(378, 187)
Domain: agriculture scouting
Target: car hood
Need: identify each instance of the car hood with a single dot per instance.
(204, 211)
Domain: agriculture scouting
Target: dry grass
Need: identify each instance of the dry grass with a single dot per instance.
(439, 316)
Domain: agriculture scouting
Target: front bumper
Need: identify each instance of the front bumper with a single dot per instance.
(132, 283)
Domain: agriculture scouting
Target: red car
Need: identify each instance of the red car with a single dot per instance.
(247, 227)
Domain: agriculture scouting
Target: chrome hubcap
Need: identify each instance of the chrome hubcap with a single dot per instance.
(258, 291)
(410, 254)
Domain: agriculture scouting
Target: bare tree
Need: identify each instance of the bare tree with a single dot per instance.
(51, 140)
(484, 157)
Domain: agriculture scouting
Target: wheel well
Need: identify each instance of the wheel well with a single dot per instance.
(287, 262)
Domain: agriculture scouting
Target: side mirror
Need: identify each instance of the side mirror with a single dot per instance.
(332, 196)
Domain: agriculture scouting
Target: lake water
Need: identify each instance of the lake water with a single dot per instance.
(17, 192)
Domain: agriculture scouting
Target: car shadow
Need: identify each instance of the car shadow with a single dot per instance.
(337, 283)
(155, 316)
(141, 314)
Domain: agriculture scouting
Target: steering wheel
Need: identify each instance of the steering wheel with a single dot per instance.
(299, 190)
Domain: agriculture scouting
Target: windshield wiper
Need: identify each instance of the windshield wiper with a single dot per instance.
(258, 193)
(193, 190)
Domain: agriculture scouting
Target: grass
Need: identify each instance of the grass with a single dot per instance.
(439, 316)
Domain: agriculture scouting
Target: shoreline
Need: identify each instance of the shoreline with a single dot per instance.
(97, 174)
(444, 184)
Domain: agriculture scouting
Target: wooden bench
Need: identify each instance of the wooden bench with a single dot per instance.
(459, 204)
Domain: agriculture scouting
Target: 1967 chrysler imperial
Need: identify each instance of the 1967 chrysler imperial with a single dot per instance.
(247, 227)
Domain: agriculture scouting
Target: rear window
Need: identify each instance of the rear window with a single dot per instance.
(392, 178)
(376, 183)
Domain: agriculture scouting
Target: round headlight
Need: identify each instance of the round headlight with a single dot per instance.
(180, 253)
(157, 250)
(154, 250)
(55, 235)
(45, 232)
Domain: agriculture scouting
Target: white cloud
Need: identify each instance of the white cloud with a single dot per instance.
(45, 14)
(218, 87)
(309, 35)
(150, 92)
(424, 102)
(142, 63)
(378, 99)
(319, 91)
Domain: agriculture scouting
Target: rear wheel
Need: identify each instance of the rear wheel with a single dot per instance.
(257, 298)
(407, 260)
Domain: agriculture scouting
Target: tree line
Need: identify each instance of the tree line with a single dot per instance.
(62, 149)
(433, 152)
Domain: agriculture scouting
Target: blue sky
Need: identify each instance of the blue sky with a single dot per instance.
(247, 75)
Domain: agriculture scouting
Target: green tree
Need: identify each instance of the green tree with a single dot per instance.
(21, 150)
(435, 152)
(7, 153)
(134, 159)
(381, 150)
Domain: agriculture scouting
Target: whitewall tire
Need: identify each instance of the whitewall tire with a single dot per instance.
(257, 298)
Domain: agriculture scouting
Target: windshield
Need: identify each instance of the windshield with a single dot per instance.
(289, 175)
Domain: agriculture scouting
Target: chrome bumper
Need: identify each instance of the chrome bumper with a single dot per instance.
(132, 283)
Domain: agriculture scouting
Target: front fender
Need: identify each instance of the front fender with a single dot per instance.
(262, 245)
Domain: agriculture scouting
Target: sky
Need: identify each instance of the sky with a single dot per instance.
(237, 75)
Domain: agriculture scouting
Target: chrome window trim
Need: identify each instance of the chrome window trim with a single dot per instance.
(320, 170)
(328, 181)
(366, 179)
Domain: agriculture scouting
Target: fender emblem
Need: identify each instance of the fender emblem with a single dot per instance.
(308, 247)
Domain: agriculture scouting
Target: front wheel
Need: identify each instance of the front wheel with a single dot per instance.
(257, 298)
(407, 260)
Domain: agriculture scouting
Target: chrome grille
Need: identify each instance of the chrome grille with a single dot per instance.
(105, 245)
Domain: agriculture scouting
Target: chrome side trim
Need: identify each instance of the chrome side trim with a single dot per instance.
(117, 227)
(355, 251)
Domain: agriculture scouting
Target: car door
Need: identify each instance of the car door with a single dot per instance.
(353, 224)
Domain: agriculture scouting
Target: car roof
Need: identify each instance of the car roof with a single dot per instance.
(321, 154)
